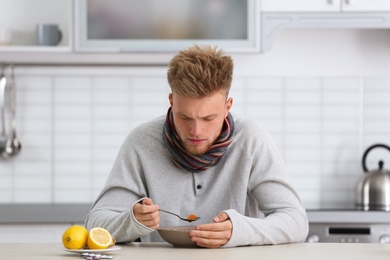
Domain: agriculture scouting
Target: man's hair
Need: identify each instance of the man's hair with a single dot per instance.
(200, 71)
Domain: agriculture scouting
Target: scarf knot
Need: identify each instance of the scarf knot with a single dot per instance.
(197, 163)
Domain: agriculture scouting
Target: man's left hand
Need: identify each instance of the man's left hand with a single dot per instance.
(215, 234)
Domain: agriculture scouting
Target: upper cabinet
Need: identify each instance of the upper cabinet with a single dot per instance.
(365, 5)
(300, 6)
(315, 14)
(127, 32)
(325, 6)
(130, 26)
(97, 32)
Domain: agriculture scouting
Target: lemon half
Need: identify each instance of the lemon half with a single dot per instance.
(99, 238)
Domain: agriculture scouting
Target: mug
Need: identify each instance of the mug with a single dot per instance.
(5, 36)
(48, 34)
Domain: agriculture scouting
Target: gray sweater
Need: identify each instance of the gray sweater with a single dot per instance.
(250, 184)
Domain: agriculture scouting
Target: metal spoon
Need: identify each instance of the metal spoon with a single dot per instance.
(185, 219)
(14, 146)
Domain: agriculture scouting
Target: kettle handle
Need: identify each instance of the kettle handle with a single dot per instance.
(368, 150)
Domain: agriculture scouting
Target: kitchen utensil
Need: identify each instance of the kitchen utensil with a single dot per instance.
(177, 236)
(373, 189)
(182, 218)
(3, 136)
(13, 145)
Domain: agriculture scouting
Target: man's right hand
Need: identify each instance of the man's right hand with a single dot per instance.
(147, 213)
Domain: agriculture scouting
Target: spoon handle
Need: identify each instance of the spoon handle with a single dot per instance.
(185, 219)
(170, 213)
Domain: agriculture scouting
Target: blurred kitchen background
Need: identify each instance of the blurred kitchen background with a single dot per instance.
(323, 93)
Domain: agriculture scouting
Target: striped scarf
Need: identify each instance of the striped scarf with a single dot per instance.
(196, 163)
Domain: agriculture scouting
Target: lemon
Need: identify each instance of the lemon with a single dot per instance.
(99, 238)
(75, 237)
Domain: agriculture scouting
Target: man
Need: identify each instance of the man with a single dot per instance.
(201, 159)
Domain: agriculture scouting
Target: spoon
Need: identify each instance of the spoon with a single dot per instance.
(182, 218)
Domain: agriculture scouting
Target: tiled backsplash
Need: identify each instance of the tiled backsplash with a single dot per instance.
(72, 121)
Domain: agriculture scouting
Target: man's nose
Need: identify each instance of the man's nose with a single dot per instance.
(196, 128)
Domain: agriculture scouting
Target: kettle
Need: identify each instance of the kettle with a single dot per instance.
(373, 190)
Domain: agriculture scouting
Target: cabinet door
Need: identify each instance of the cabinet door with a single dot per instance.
(302, 5)
(365, 5)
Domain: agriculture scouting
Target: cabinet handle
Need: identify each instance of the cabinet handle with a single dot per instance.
(348, 2)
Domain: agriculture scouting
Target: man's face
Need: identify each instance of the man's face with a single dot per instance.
(199, 122)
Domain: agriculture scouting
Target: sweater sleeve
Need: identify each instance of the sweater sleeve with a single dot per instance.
(113, 209)
(285, 219)
(277, 228)
(122, 225)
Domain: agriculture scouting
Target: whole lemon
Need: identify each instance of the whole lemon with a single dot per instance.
(75, 237)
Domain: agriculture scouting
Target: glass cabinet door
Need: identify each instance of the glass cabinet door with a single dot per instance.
(169, 25)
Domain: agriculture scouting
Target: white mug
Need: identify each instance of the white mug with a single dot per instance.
(5, 36)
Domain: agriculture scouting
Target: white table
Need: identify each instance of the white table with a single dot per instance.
(158, 251)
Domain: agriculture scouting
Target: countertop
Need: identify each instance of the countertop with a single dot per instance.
(320, 251)
(43, 213)
(76, 213)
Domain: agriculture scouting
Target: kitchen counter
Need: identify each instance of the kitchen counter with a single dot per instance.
(76, 213)
(19, 213)
(43, 213)
(54, 251)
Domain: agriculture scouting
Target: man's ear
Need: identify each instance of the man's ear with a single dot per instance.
(229, 104)
(170, 97)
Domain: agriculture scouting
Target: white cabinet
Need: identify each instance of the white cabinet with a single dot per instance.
(300, 5)
(325, 6)
(278, 15)
(365, 6)
(165, 26)
(79, 47)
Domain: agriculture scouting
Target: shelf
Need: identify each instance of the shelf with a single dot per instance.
(36, 49)
(63, 56)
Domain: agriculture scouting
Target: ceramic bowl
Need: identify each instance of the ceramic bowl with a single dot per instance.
(177, 236)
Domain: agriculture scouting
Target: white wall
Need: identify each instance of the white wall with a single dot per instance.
(71, 122)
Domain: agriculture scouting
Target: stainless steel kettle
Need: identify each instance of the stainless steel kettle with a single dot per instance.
(373, 188)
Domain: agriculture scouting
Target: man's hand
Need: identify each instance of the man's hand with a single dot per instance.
(147, 213)
(215, 234)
